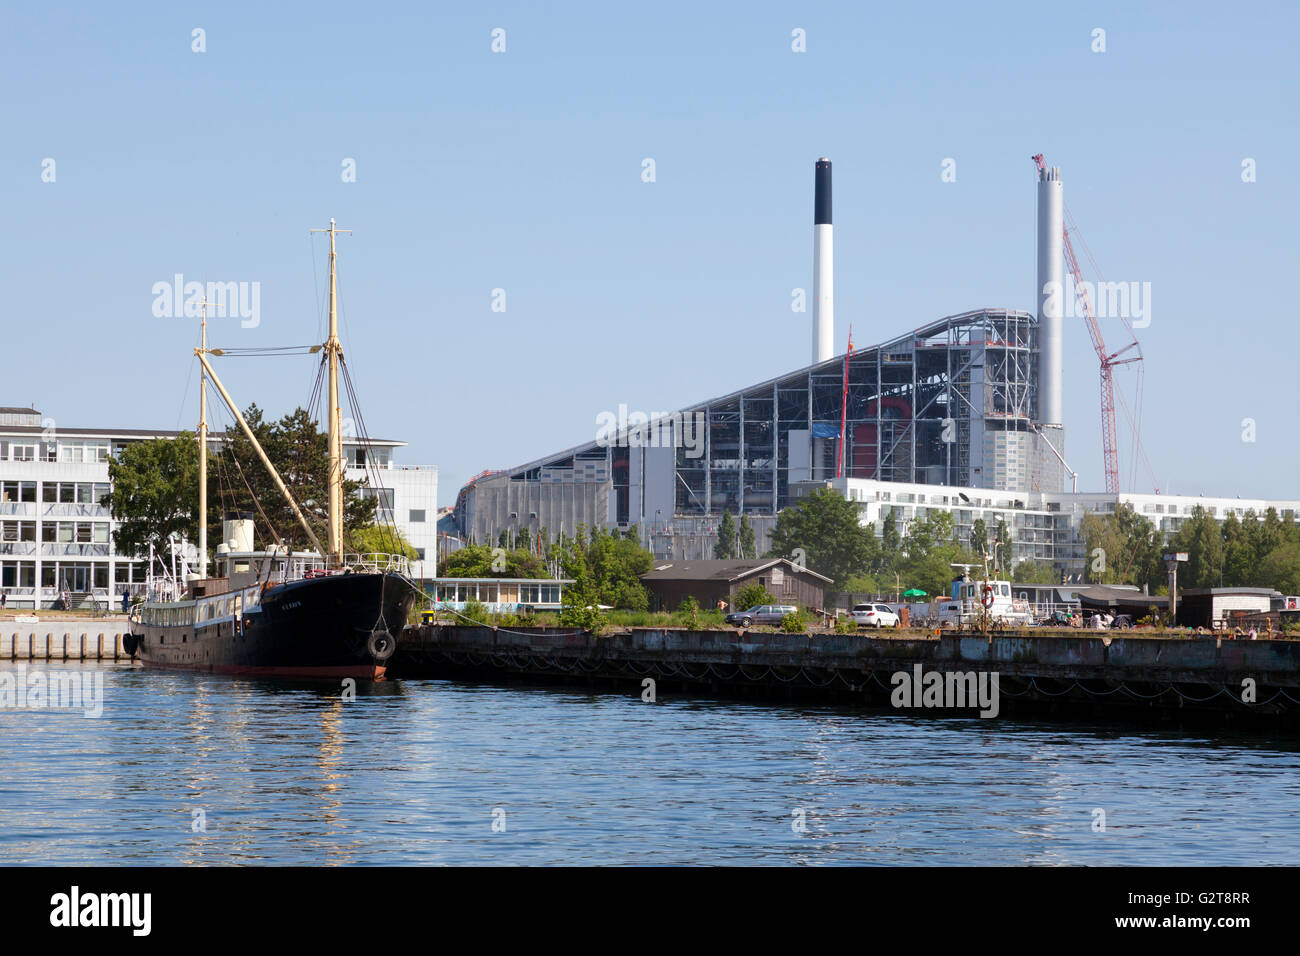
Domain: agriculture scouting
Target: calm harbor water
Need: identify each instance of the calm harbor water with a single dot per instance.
(418, 772)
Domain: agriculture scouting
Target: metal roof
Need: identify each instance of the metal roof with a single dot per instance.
(1214, 592)
(931, 328)
(716, 570)
(1100, 595)
(63, 430)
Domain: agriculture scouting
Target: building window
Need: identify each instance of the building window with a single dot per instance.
(384, 502)
(419, 554)
(417, 515)
(18, 491)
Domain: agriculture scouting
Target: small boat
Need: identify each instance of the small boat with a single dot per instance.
(274, 612)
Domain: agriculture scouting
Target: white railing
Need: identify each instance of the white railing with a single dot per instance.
(374, 563)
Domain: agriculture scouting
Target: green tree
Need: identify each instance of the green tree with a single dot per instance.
(616, 566)
(932, 573)
(1239, 557)
(1280, 568)
(1202, 539)
(1122, 548)
(752, 595)
(979, 536)
(1142, 546)
(480, 561)
(863, 584)
(471, 561)
(300, 453)
(748, 546)
(380, 539)
(826, 527)
(928, 535)
(891, 542)
(578, 606)
(724, 549)
(155, 494)
(1272, 532)
(1033, 572)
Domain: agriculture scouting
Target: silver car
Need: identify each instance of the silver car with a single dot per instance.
(761, 614)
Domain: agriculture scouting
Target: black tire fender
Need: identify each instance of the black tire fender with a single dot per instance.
(380, 645)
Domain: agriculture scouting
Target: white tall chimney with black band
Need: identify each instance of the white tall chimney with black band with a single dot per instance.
(823, 266)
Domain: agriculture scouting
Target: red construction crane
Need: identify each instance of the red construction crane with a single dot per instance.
(1109, 448)
(844, 407)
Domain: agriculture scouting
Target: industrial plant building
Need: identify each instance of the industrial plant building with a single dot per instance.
(963, 413)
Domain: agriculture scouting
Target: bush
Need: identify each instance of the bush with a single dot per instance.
(752, 595)
(793, 623)
(588, 618)
(517, 619)
(474, 612)
(845, 625)
(689, 612)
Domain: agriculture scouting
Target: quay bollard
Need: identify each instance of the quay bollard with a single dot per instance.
(99, 648)
(49, 646)
(83, 646)
(65, 645)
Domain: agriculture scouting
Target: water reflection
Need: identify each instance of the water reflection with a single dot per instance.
(411, 772)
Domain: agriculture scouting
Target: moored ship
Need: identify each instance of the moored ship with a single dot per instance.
(275, 612)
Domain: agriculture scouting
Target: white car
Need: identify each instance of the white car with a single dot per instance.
(874, 615)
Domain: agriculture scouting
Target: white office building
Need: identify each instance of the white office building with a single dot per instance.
(55, 536)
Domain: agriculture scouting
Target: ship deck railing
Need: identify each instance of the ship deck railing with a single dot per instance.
(373, 563)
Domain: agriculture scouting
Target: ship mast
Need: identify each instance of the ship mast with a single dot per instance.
(203, 447)
(334, 353)
(261, 452)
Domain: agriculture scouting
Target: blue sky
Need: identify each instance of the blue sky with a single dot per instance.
(522, 171)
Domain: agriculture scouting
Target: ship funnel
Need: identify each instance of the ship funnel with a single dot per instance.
(237, 531)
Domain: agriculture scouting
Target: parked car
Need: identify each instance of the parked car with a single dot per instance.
(1122, 622)
(874, 615)
(761, 614)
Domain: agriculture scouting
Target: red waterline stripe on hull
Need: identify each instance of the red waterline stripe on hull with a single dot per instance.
(360, 673)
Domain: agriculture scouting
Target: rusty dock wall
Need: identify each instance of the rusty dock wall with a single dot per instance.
(1060, 674)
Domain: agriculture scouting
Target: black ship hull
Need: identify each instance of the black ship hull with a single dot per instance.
(331, 626)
